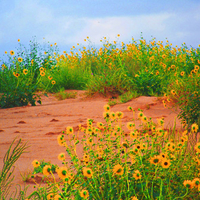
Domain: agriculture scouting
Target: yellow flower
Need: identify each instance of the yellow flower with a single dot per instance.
(130, 125)
(6, 52)
(25, 71)
(182, 73)
(42, 73)
(112, 115)
(53, 82)
(50, 78)
(140, 115)
(84, 194)
(20, 59)
(137, 175)
(197, 66)
(12, 52)
(119, 114)
(50, 196)
(144, 119)
(18, 40)
(106, 108)
(197, 147)
(106, 115)
(194, 128)
(118, 35)
(69, 130)
(173, 92)
(134, 198)
(170, 146)
(118, 169)
(130, 108)
(36, 163)
(41, 68)
(196, 182)
(17, 75)
(61, 156)
(155, 160)
(134, 134)
(61, 140)
(57, 197)
(55, 44)
(188, 184)
(165, 163)
(46, 170)
(87, 172)
(100, 125)
(62, 172)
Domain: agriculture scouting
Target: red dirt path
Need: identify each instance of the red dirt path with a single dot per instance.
(40, 125)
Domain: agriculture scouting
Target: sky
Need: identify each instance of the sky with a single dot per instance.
(68, 22)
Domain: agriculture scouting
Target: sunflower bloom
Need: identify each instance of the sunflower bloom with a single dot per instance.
(25, 71)
(155, 160)
(130, 108)
(41, 68)
(188, 184)
(12, 53)
(69, 130)
(61, 140)
(61, 156)
(197, 147)
(130, 125)
(134, 134)
(36, 163)
(62, 172)
(50, 78)
(134, 198)
(106, 115)
(106, 108)
(194, 128)
(20, 59)
(119, 115)
(112, 116)
(42, 73)
(84, 194)
(87, 172)
(173, 92)
(53, 82)
(196, 182)
(46, 170)
(137, 175)
(118, 169)
(140, 115)
(165, 163)
(57, 197)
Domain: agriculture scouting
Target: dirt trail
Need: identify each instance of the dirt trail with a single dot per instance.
(40, 125)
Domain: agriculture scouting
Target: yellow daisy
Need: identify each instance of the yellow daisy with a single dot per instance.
(165, 163)
(61, 156)
(84, 194)
(118, 169)
(62, 172)
(36, 163)
(137, 175)
(188, 184)
(87, 172)
(106, 108)
(46, 170)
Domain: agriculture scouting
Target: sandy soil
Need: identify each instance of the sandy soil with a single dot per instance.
(40, 125)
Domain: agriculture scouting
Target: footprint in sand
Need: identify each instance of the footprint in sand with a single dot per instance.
(54, 120)
(21, 122)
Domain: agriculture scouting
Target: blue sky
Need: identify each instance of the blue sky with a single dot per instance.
(68, 22)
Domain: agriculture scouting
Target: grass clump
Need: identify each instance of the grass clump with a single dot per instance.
(6, 173)
(62, 94)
